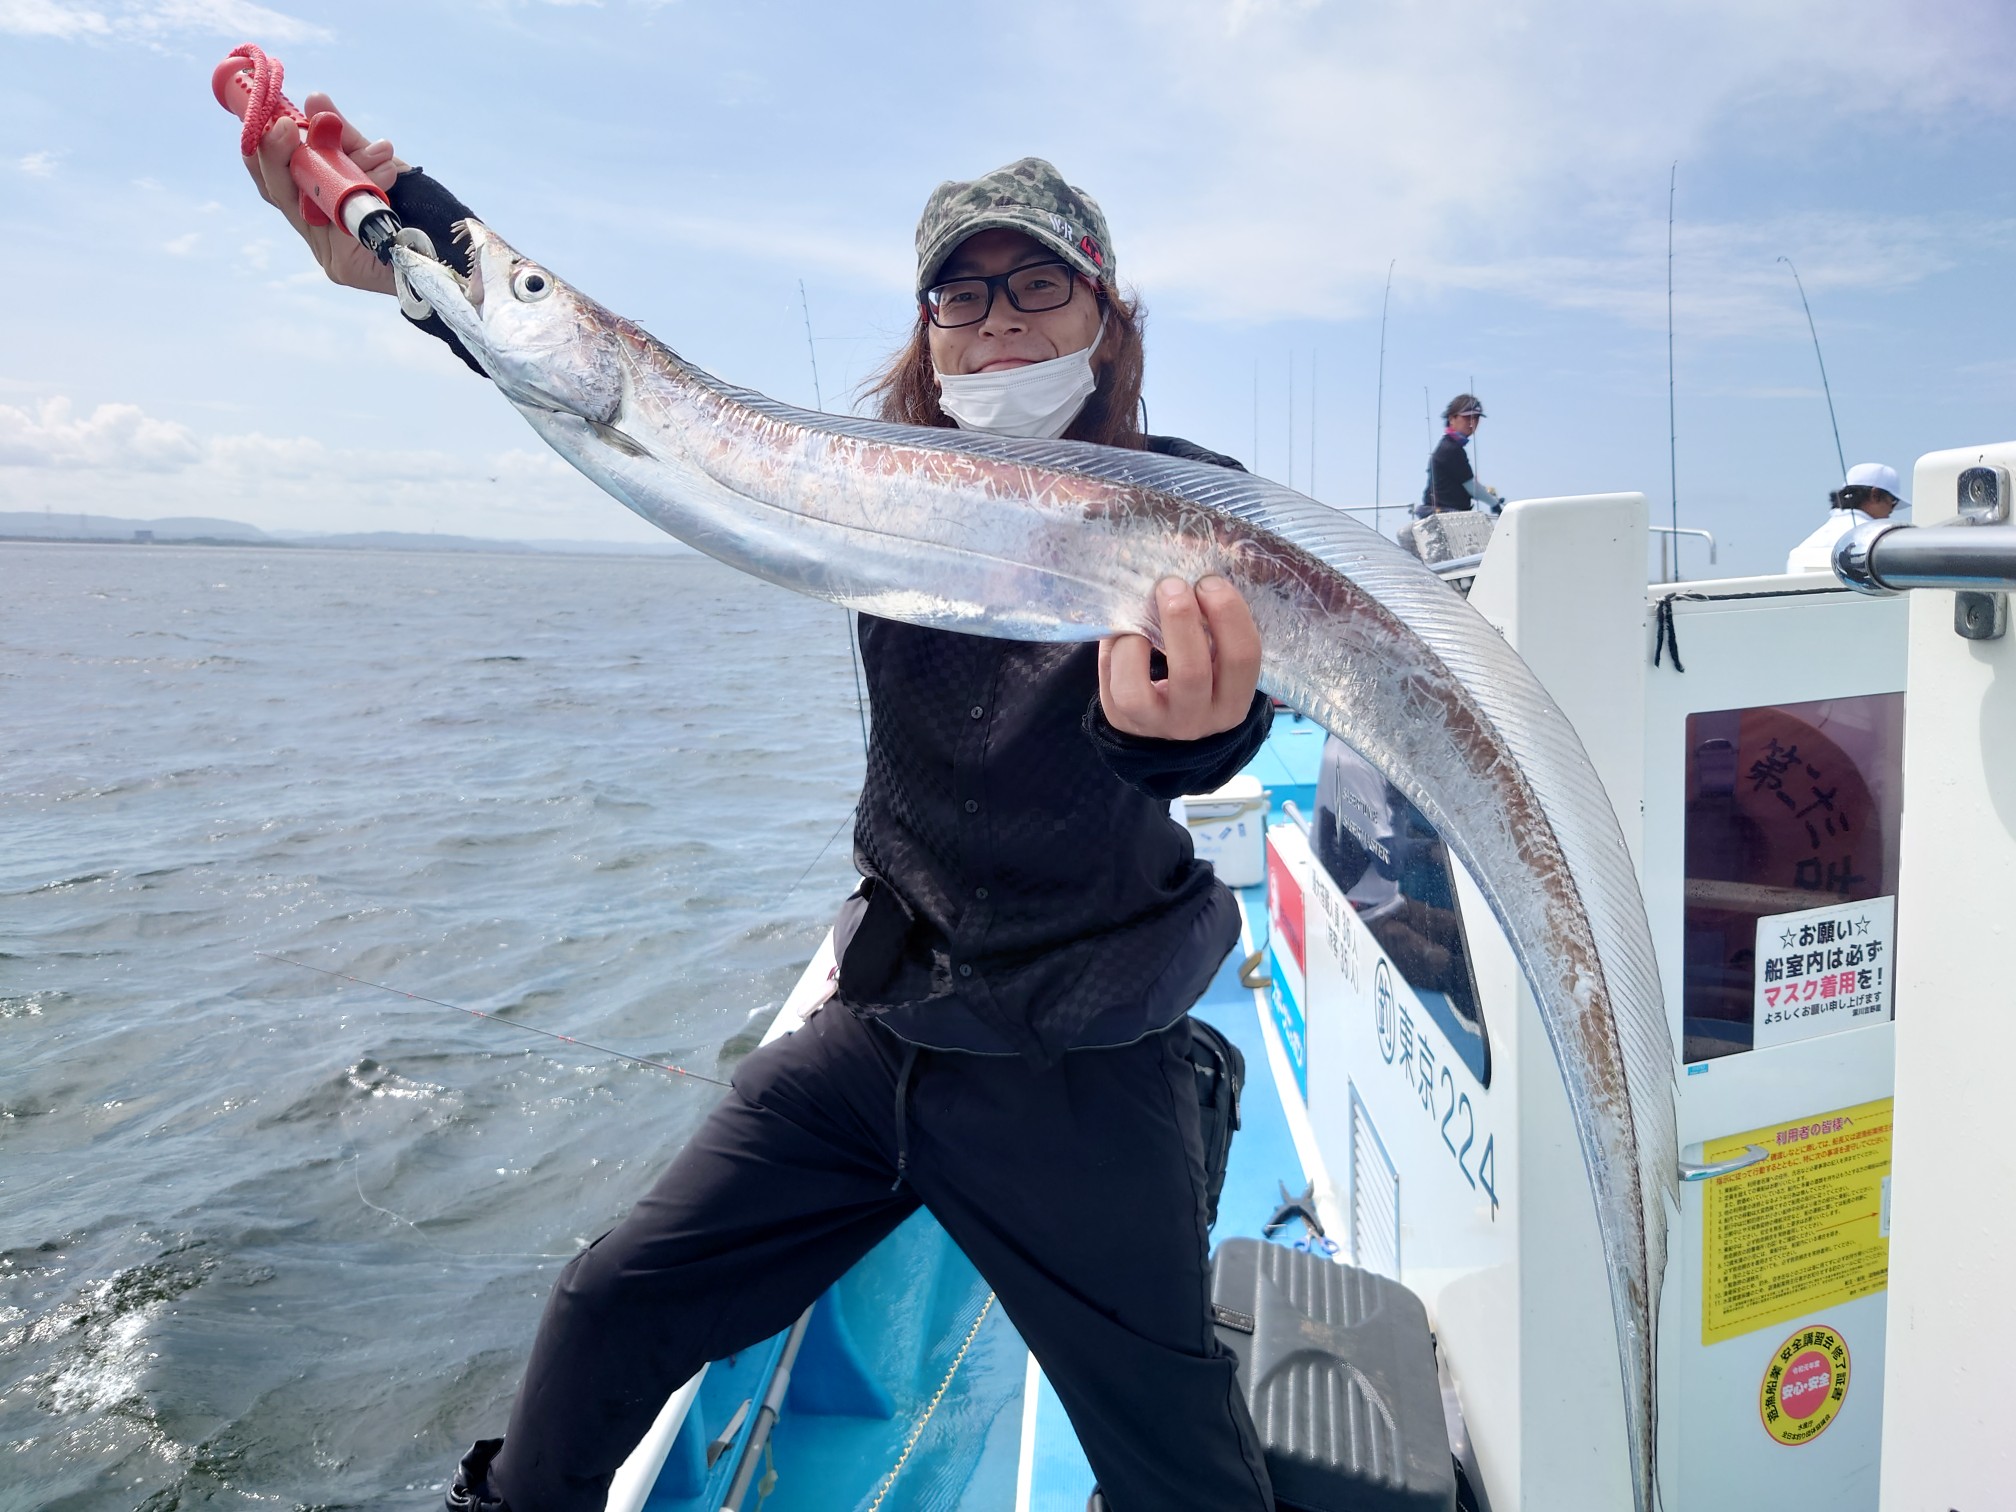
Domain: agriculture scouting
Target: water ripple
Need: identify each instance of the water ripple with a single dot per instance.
(277, 1237)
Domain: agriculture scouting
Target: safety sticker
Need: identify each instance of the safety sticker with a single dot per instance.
(1800, 1231)
(1804, 1386)
(1822, 970)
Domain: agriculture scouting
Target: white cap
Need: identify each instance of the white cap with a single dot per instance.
(1876, 475)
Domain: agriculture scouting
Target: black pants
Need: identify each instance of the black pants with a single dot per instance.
(1077, 1191)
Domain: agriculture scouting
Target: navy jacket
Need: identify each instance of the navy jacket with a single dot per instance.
(1448, 470)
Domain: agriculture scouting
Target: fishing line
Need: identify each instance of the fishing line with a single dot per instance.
(861, 710)
(567, 1039)
(432, 1243)
(860, 694)
(822, 853)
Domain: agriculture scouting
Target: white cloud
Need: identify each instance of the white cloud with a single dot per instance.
(873, 260)
(50, 18)
(183, 245)
(118, 460)
(238, 18)
(38, 164)
(1481, 147)
(1728, 279)
(154, 21)
(114, 437)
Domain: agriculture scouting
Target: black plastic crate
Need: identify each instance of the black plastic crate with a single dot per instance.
(1338, 1367)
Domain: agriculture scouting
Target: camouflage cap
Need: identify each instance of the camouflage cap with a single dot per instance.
(1028, 196)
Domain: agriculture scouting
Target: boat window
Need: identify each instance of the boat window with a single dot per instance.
(1792, 811)
(1394, 871)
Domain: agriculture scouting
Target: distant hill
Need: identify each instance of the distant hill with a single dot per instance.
(38, 525)
(35, 524)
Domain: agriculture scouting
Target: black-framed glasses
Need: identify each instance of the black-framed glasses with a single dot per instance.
(1032, 290)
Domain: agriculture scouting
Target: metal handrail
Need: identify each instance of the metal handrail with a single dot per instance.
(1686, 530)
(1752, 1155)
(1883, 556)
(1456, 566)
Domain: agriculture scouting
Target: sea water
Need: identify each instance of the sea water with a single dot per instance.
(272, 1238)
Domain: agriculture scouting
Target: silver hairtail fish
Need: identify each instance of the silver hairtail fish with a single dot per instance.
(1064, 541)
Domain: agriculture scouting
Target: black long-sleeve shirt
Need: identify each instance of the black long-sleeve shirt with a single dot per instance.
(1026, 892)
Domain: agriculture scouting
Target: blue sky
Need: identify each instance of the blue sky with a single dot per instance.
(170, 348)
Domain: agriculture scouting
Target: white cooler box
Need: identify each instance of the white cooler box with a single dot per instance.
(1229, 829)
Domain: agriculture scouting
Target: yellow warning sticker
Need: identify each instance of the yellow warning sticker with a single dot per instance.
(1804, 1385)
(1806, 1229)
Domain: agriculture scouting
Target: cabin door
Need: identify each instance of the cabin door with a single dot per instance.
(1773, 814)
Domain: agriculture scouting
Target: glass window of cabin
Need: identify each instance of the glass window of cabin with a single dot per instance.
(1395, 872)
(1790, 807)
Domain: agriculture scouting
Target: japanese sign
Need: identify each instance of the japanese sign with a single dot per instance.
(1800, 1231)
(1804, 1385)
(1823, 970)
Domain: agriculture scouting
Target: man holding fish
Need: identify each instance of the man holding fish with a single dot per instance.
(1009, 1045)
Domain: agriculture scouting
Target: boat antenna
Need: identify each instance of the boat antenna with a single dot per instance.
(1379, 410)
(1672, 429)
(811, 350)
(1797, 283)
(495, 1017)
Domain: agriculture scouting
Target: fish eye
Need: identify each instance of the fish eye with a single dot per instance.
(531, 284)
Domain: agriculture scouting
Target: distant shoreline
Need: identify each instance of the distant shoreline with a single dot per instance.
(451, 546)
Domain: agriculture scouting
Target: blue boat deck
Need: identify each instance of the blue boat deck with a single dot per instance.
(913, 1392)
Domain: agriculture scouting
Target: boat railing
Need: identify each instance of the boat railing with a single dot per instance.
(1973, 555)
(1666, 543)
(1456, 567)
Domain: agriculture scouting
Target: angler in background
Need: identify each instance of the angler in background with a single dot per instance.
(1869, 493)
(1452, 485)
(1010, 1043)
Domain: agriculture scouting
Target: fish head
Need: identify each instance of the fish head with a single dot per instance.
(543, 342)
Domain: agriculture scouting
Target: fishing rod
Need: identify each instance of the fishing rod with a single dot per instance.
(1312, 425)
(818, 400)
(1672, 427)
(1476, 446)
(1291, 417)
(419, 997)
(1256, 414)
(1379, 411)
(1839, 455)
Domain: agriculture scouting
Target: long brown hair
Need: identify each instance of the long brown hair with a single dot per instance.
(906, 389)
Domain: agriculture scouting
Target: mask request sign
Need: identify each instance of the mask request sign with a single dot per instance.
(1823, 970)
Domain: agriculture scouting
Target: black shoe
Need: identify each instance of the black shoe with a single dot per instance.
(471, 1491)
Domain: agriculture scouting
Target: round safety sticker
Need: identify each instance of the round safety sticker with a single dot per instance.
(1804, 1386)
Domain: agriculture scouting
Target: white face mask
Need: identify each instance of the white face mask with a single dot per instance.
(1036, 399)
